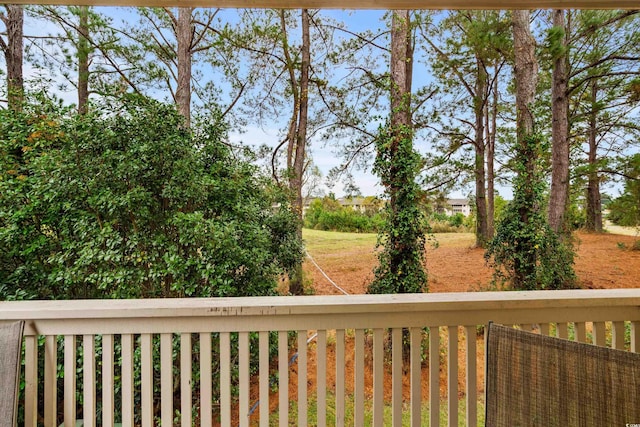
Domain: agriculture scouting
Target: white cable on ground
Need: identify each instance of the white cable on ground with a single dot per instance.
(325, 274)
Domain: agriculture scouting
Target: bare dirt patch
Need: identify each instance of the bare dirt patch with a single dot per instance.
(603, 261)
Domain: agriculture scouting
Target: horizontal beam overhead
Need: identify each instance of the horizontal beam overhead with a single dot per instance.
(360, 4)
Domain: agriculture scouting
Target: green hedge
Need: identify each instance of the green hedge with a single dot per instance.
(328, 215)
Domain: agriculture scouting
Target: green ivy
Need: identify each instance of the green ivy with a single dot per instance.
(402, 236)
(525, 252)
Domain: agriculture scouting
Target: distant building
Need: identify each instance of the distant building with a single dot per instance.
(455, 206)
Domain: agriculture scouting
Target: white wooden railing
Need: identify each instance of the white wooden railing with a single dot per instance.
(119, 340)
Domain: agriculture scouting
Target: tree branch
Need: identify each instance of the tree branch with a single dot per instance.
(360, 37)
(235, 100)
(611, 57)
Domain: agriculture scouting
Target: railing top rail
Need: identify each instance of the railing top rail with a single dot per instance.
(313, 305)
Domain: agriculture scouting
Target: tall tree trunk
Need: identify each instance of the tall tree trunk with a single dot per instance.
(184, 36)
(594, 203)
(492, 121)
(83, 59)
(14, 22)
(297, 145)
(558, 198)
(400, 120)
(401, 67)
(526, 71)
(479, 170)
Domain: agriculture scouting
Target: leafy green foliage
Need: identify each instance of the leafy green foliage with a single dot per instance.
(328, 215)
(130, 204)
(525, 252)
(400, 268)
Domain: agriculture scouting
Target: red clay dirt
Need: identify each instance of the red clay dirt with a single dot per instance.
(603, 261)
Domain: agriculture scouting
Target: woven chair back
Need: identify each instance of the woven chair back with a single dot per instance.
(536, 380)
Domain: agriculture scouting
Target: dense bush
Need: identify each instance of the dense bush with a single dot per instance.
(128, 203)
(576, 216)
(327, 214)
(443, 223)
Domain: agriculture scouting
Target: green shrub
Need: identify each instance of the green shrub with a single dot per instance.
(456, 220)
(328, 215)
(442, 223)
(127, 203)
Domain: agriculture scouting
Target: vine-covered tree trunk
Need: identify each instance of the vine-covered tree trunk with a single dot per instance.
(83, 59)
(594, 203)
(400, 269)
(558, 198)
(400, 125)
(526, 71)
(14, 22)
(525, 250)
(184, 36)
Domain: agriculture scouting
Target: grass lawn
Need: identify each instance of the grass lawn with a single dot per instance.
(323, 242)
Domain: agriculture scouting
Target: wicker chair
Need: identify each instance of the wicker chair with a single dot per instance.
(10, 355)
(536, 380)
